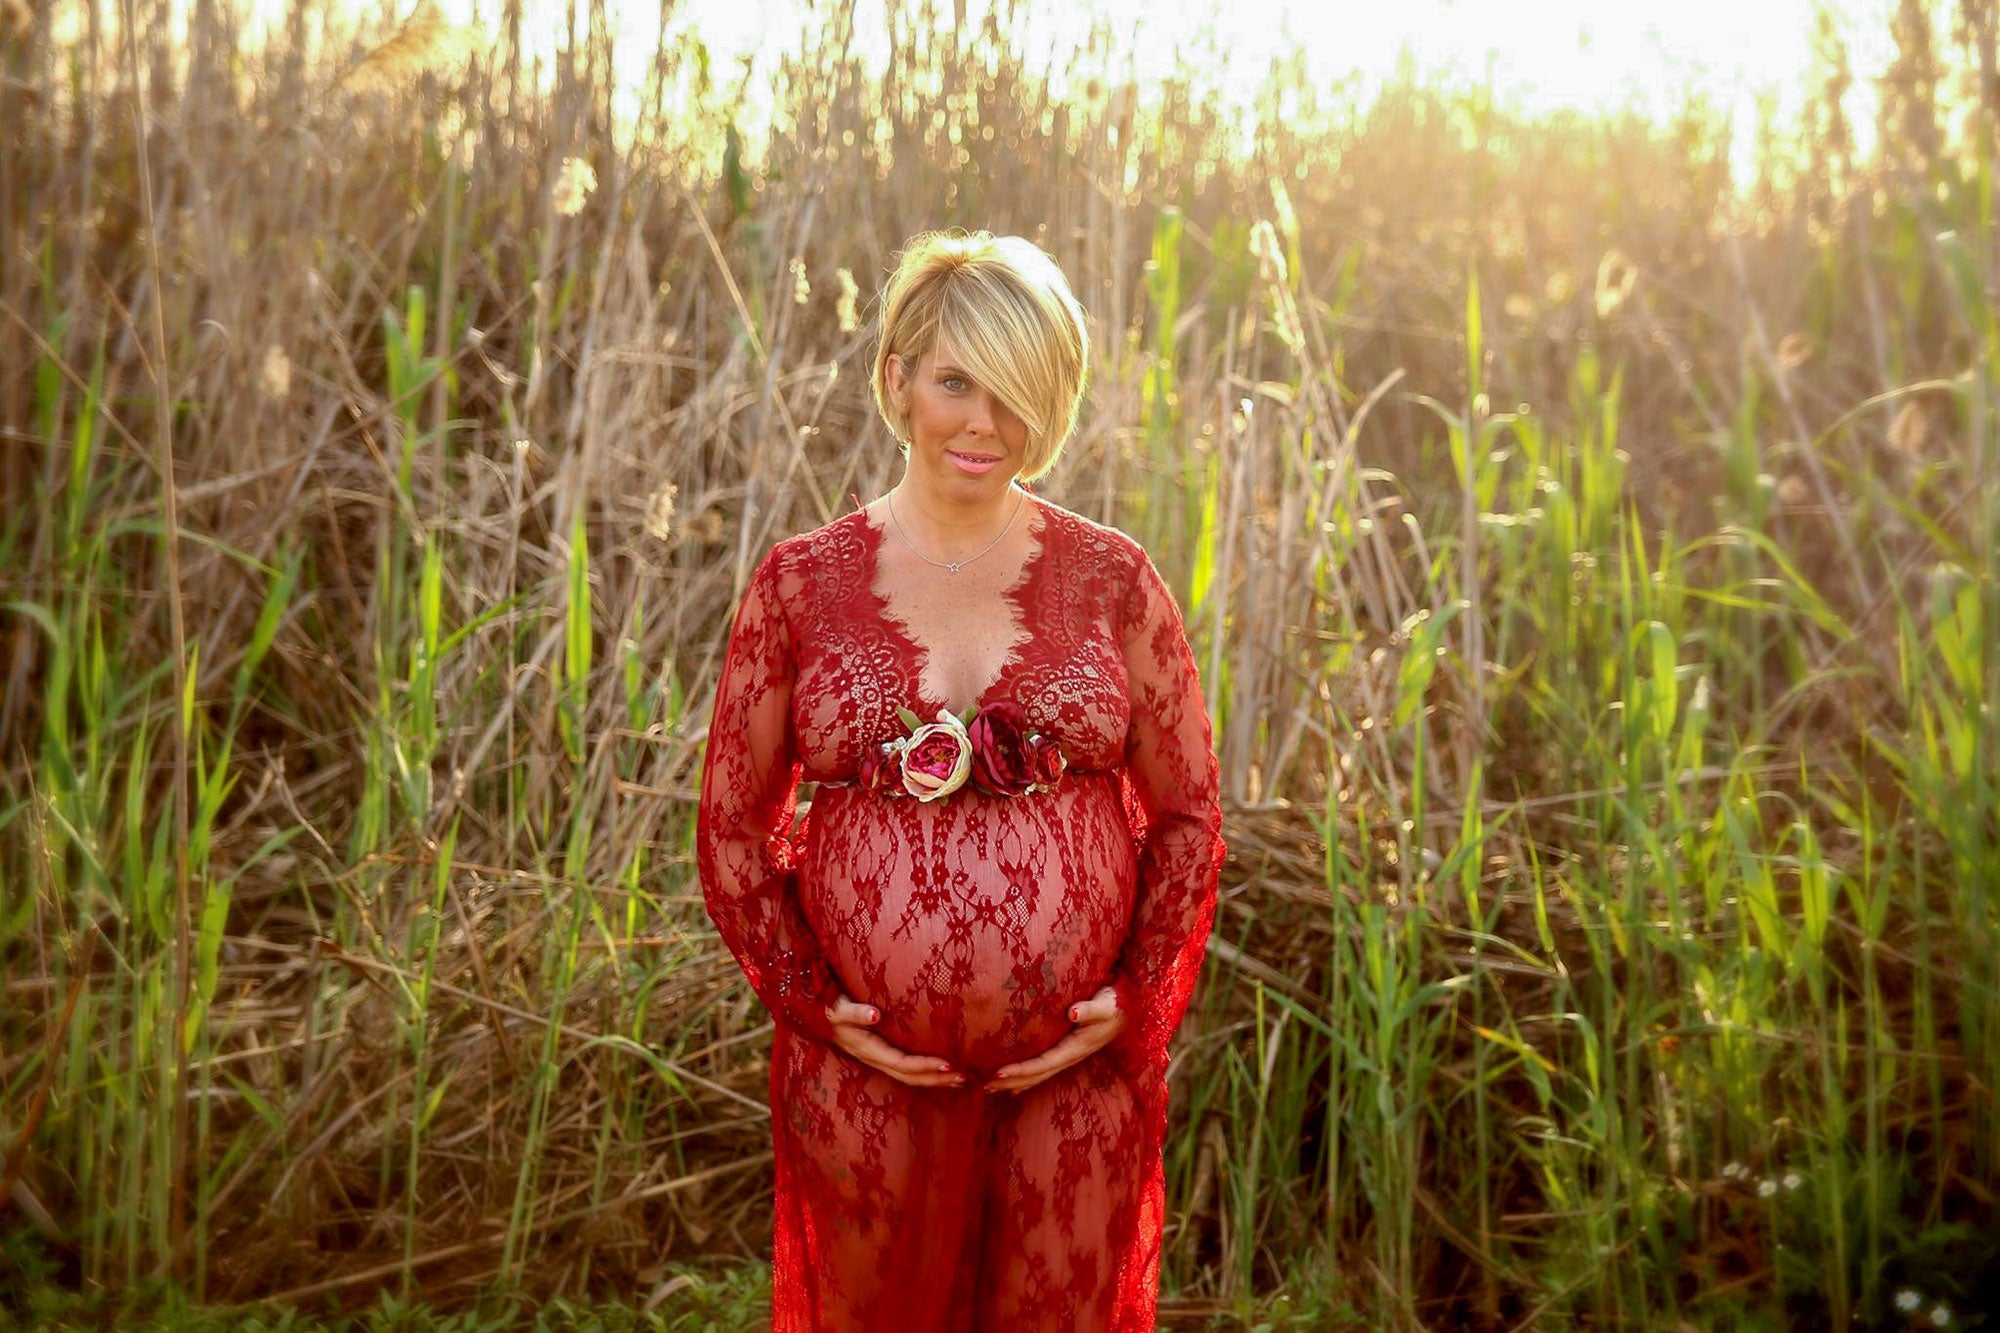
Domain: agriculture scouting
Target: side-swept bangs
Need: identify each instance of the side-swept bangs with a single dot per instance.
(1006, 314)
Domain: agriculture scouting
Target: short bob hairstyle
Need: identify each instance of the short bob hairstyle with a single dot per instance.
(1007, 314)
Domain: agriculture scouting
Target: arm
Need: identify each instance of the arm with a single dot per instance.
(749, 791)
(1171, 765)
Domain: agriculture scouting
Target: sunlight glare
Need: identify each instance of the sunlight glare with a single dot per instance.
(1538, 56)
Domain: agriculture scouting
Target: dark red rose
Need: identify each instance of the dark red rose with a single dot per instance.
(1000, 757)
(882, 768)
(1046, 761)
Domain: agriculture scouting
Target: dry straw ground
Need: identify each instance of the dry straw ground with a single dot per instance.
(1591, 562)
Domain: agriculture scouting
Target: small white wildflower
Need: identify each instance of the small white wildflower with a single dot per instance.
(274, 378)
(1792, 1181)
(1264, 244)
(1940, 1315)
(660, 511)
(844, 308)
(1766, 1188)
(802, 289)
(1616, 276)
(1908, 1299)
(1734, 1171)
(1911, 428)
(573, 186)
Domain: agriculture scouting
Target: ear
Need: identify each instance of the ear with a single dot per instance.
(896, 373)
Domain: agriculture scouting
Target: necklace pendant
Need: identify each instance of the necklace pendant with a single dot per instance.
(951, 568)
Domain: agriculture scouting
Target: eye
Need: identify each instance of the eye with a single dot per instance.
(955, 383)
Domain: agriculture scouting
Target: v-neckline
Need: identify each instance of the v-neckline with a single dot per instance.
(922, 703)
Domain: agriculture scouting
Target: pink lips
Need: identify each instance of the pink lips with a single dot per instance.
(973, 463)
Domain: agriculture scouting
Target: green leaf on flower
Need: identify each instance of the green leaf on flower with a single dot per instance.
(971, 711)
(910, 719)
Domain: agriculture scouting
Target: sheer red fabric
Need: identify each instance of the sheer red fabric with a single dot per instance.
(972, 923)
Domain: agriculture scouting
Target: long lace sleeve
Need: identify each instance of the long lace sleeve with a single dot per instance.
(1170, 763)
(749, 792)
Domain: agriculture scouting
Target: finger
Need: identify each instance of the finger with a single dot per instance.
(928, 1080)
(922, 1078)
(918, 1078)
(1019, 1086)
(845, 1010)
(1054, 1060)
(905, 1061)
(871, 1049)
(1097, 1009)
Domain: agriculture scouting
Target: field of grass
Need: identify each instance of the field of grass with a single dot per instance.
(1593, 563)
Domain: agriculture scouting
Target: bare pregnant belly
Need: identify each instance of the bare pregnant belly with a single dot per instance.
(975, 922)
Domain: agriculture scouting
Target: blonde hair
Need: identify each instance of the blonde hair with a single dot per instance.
(1011, 321)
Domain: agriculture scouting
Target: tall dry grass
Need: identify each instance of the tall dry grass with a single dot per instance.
(1591, 565)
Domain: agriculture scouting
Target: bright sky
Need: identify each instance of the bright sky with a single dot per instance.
(1567, 53)
(1541, 54)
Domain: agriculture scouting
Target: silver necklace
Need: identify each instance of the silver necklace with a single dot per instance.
(950, 566)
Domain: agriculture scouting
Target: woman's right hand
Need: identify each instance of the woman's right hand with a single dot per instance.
(851, 1021)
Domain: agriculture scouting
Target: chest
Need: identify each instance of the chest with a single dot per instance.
(1037, 635)
(959, 631)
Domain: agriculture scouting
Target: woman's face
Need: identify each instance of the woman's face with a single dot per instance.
(964, 441)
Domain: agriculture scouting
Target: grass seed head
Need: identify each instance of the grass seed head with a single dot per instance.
(274, 377)
(574, 185)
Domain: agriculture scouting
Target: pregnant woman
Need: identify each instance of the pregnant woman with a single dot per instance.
(987, 925)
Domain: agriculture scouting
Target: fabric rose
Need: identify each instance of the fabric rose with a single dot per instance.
(937, 758)
(1046, 761)
(1001, 762)
(882, 767)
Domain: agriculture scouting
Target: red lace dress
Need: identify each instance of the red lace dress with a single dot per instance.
(972, 923)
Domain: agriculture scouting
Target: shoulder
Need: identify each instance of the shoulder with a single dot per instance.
(828, 542)
(802, 569)
(1100, 544)
(1104, 568)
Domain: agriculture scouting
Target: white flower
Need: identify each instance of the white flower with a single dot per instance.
(1792, 1181)
(1766, 1188)
(274, 377)
(1940, 1315)
(1908, 1299)
(574, 185)
(844, 309)
(1270, 253)
(937, 758)
(1734, 1171)
(660, 511)
(1615, 278)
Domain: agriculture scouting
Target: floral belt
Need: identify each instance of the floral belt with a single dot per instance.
(993, 748)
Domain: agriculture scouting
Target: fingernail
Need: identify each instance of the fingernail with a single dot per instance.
(1072, 1013)
(874, 1014)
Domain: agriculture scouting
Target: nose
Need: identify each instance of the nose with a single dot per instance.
(979, 421)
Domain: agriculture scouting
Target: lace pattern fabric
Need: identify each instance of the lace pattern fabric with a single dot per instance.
(972, 924)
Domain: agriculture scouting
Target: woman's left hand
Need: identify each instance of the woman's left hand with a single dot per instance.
(1098, 1021)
